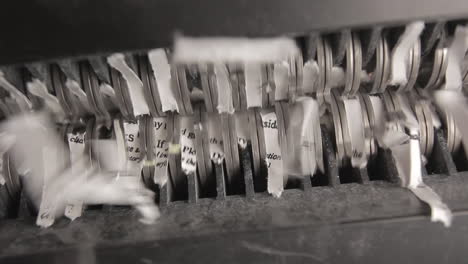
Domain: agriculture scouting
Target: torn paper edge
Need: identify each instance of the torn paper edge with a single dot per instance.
(162, 74)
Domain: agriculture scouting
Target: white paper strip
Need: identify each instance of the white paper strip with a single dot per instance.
(273, 153)
(456, 53)
(253, 84)
(223, 84)
(301, 137)
(46, 214)
(161, 148)
(356, 132)
(311, 75)
(187, 145)
(401, 51)
(76, 145)
(281, 78)
(135, 86)
(132, 140)
(162, 74)
(224, 50)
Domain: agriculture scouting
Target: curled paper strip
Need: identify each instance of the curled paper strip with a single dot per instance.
(135, 86)
(401, 51)
(406, 152)
(408, 161)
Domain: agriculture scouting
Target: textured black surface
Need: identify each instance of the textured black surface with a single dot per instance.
(45, 29)
(312, 221)
(408, 240)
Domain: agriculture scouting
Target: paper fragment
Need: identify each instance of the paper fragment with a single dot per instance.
(253, 84)
(225, 50)
(161, 148)
(223, 84)
(135, 86)
(456, 53)
(132, 141)
(401, 51)
(273, 153)
(162, 74)
(76, 145)
(301, 137)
